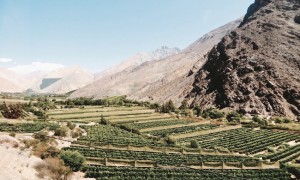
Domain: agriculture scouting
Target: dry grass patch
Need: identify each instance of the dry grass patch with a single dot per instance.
(53, 168)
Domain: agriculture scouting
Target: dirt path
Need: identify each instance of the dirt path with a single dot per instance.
(192, 134)
(173, 126)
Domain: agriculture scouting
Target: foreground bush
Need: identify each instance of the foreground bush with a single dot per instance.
(73, 159)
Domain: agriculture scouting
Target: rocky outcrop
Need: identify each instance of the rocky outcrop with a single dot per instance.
(255, 68)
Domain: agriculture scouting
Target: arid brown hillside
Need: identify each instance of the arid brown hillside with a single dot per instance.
(255, 68)
(158, 80)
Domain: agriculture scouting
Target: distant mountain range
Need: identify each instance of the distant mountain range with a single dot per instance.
(139, 59)
(160, 79)
(67, 79)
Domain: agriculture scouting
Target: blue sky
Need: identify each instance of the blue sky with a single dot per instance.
(97, 34)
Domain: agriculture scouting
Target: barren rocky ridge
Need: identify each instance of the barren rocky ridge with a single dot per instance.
(255, 68)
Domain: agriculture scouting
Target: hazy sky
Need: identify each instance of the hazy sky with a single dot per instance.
(97, 34)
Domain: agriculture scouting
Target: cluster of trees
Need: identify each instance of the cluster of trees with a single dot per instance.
(110, 101)
(40, 106)
(12, 111)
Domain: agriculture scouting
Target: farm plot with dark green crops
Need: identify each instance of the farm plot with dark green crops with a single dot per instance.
(243, 140)
(172, 159)
(101, 172)
(105, 134)
(26, 127)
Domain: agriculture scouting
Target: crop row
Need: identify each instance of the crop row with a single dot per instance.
(101, 172)
(171, 159)
(182, 130)
(290, 158)
(243, 140)
(26, 127)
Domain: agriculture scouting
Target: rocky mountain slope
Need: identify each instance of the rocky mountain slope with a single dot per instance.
(157, 80)
(139, 59)
(63, 80)
(255, 68)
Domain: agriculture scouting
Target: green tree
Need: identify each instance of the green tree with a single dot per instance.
(73, 159)
(103, 120)
(194, 144)
(184, 105)
(168, 107)
(234, 116)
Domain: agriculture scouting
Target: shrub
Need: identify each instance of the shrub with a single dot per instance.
(194, 144)
(286, 120)
(53, 168)
(103, 121)
(212, 113)
(71, 125)
(62, 131)
(43, 150)
(234, 117)
(76, 133)
(73, 159)
(41, 136)
(170, 140)
(280, 120)
(260, 121)
(168, 107)
(256, 118)
(12, 134)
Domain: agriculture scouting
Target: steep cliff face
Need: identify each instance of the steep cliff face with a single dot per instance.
(255, 68)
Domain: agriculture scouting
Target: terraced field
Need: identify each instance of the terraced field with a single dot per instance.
(170, 159)
(112, 114)
(137, 140)
(101, 172)
(103, 135)
(243, 140)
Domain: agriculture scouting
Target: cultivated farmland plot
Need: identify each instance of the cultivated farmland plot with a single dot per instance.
(243, 140)
(101, 172)
(136, 138)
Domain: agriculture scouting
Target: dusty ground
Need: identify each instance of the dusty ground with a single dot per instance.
(17, 164)
(14, 163)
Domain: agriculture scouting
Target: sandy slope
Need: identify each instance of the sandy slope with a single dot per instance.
(14, 163)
